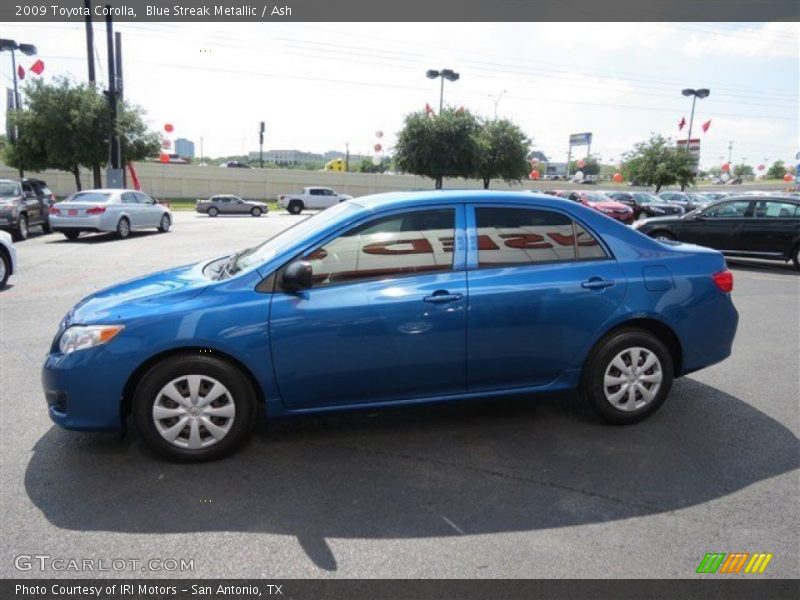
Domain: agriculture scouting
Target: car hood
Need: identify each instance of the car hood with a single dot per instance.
(162, 288)
(608, 204)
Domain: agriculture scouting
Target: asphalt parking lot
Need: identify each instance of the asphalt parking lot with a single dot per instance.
(517, 488)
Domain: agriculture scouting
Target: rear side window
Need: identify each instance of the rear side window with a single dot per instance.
(518, 236)
(407, 243)
(129, 198)
(727, 210)
(776, 210)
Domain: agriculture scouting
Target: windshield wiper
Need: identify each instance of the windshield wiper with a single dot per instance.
(231, 266)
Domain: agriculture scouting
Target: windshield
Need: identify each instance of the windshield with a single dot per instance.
(93, 197)
(646, 198)
(257, 255)
(9, 189)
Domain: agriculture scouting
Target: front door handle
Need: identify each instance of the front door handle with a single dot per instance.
(597, 283)
(442, 296)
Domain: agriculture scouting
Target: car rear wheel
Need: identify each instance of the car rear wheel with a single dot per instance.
(72, 235)
(796, 257)
(662, 236)
(295, 207)
(123, 228)
(21, 231)
(256, 212)
(627, 376)
(163, 227)
(213, 212)
(194, 408)
(5, 269)
(46, 227)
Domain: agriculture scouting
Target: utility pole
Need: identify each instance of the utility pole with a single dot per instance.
(261, 145)
(96, 175)
(120, 88)
(201, 150)
(347, 156)
(730, 151)
(113, 176)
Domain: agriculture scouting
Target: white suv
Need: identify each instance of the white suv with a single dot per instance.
(8, 258)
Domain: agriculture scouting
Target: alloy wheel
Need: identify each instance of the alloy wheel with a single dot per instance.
(193, 412)
(632, 379)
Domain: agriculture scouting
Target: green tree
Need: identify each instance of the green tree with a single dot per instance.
(592, 166)
(444, 146)
(65, 126)
(504, 152)
(744, 171)
(777, 170)
(366, 166)
(658, 162)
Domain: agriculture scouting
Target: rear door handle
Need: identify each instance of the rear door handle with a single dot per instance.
(442, 296)
(596, 283)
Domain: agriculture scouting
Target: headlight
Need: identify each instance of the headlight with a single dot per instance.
(80, 337)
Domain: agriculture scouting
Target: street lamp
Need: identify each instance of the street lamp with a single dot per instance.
(28, 50)
(448, 74)
(695, 94)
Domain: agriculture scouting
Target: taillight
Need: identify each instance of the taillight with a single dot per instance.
(724, 280)
(96, 210)
(54, 211)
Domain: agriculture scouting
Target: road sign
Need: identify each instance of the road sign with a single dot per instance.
(694, 151)
(580, 139)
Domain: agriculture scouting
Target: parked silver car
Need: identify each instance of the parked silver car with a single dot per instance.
(226, 204)
(8, 258)
(108, 210)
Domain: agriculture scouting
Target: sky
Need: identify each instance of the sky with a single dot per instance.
(321, 86)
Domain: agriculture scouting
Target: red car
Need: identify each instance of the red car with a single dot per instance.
(600, 202)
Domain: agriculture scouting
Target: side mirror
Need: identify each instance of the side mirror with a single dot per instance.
(297, 276)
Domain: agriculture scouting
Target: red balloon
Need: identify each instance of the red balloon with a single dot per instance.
(378, 147)
(581, 163)
(164, 158)
(534, 175)
(726, 167)
(618, 177)
(169, 128)
(761, 167)
(788, 177)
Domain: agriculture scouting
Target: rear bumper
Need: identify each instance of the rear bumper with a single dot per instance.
(94, 223)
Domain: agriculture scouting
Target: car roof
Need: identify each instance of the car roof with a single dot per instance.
(432, 197)
(761, 197)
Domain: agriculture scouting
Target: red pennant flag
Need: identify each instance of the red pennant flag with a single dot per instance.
(20, 72)
(460, 111)
(706, 125)
(134, 178)
(429, 110)
(38, 67)
(682, 123)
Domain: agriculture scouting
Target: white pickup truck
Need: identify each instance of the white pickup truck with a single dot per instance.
(312, 197)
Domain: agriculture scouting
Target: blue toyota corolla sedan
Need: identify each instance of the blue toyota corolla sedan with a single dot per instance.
(389, 300)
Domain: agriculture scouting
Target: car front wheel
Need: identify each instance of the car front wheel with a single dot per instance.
(72, 235)
(663, 236)
(5, 269)
(256, 212)
(627, 376)
(163, 227)
(796, 257)
(194, 408)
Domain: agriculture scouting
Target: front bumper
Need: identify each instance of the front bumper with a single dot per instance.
(84, 389)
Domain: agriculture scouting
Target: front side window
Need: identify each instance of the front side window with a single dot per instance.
(406, 243)
(518, 236)
(727, 210)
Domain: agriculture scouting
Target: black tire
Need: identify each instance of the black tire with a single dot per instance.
(213, 211)
(20, 233)
(796, 257)
(295, 207)
(240, 394)
(662, 235)
(6, 272)
(123, 228)
(165, 224)
(256, 212)
(46, 227)
(72, 235)
(593, 388)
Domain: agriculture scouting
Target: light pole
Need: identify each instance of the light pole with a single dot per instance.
(28, 50)
(695, 94)
(448, 74)
(496, 99)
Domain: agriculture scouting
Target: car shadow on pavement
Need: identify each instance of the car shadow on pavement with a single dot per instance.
(471, 468)
(762, 266)
(102, 238)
